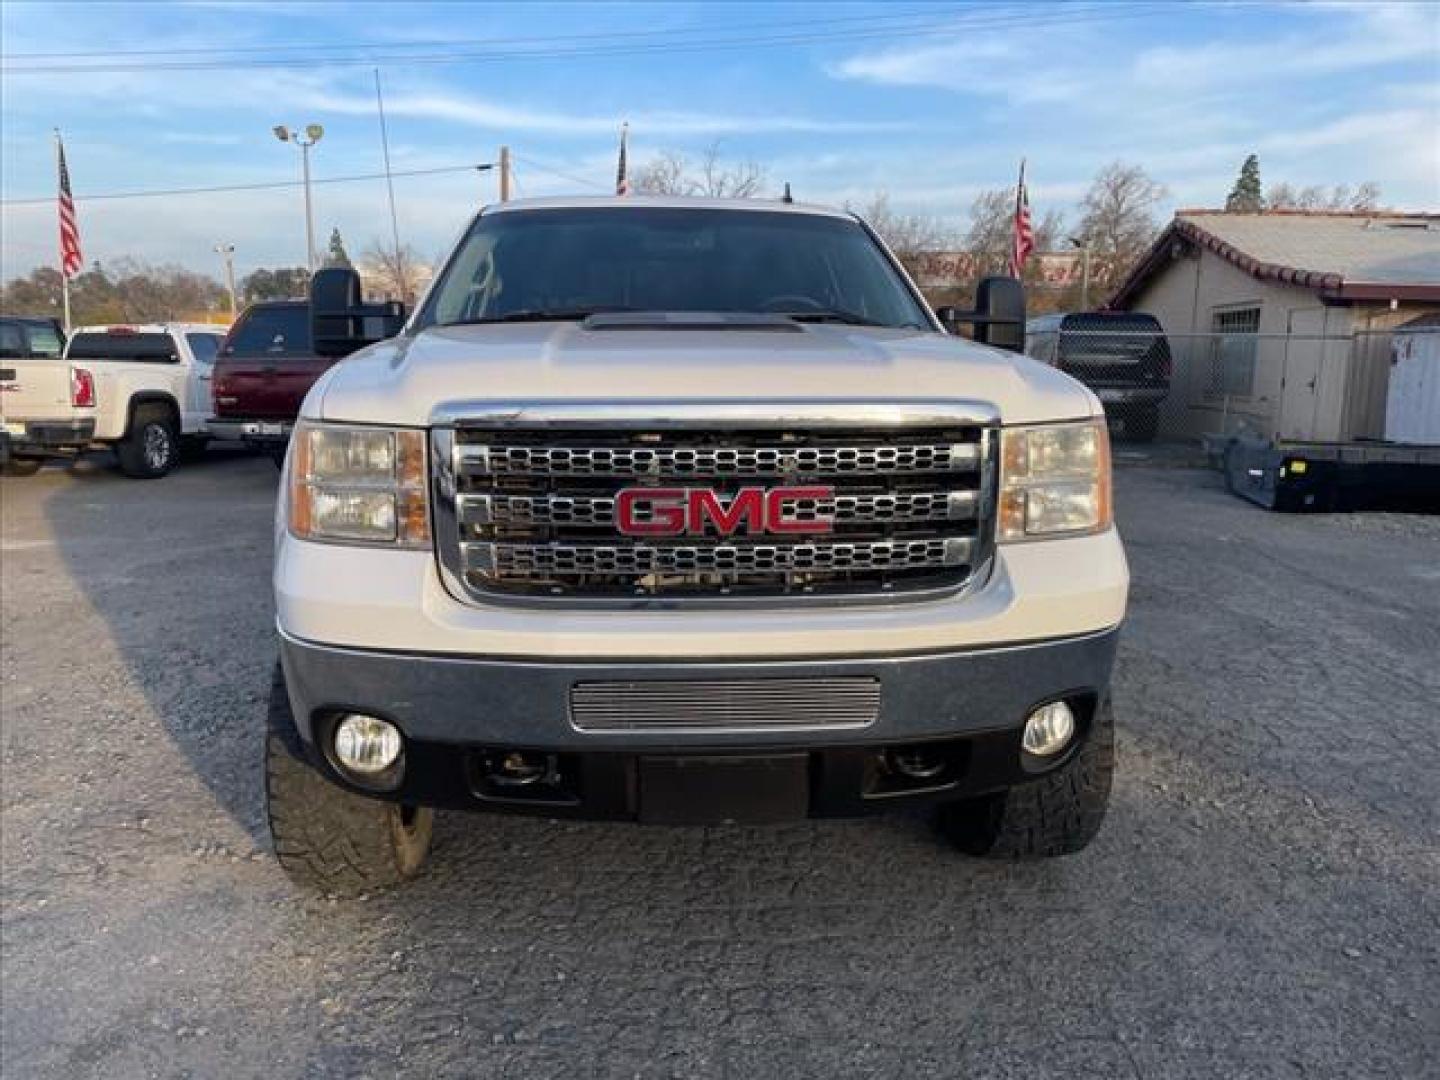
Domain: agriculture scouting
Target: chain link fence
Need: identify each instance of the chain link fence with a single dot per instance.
(1236, 380)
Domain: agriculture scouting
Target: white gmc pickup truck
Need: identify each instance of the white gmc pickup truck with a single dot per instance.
(138, 389)
(687, 511)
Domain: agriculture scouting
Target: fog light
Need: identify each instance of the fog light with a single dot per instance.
(1049, 729)
(366, 745)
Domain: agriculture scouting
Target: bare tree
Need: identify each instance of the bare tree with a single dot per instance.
(672, 173)
(992, 230)
(907, 235)
(663, 175)
(126, 290)
(1118, 212)
(393, 273)
(991, 237)
(1284, 196)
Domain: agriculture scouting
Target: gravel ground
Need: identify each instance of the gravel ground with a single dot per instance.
(1264, 900)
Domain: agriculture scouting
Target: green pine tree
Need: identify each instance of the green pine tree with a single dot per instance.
(337, 255)
(1246, 196)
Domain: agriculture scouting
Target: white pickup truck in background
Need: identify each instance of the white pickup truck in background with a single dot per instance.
(139, 389)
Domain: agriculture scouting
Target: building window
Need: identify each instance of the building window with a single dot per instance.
(1234, 342)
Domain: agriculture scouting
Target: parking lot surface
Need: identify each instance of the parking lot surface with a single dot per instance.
(1263, 901)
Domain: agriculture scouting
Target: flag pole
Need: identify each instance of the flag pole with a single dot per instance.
(64, 277)
(622, 168)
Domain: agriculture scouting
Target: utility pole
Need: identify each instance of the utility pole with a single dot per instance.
(314, 133)
(227, 252)
(400, 268)
(504, 174)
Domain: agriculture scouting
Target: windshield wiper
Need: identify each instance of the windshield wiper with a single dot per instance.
(850, 318)
(574, 314)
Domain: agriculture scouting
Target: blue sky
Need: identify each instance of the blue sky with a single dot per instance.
(930, 102)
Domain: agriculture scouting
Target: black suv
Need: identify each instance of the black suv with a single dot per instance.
(1123, 356)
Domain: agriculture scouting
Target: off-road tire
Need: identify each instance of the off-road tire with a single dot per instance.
(21, 466)
(328, 839)
(1059, 814)
(151, 447)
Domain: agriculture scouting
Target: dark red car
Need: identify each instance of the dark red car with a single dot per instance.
(263, 372)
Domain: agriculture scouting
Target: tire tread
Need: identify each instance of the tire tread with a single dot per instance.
(324, 837)
(1058, 814)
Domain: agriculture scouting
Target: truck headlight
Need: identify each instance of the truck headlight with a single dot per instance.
(359, 485)
(1054, 480)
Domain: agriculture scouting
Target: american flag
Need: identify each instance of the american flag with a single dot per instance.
(71, 261)
(1024, 242)
(622, 180)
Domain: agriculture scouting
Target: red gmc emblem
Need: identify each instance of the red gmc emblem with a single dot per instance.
(751, 510)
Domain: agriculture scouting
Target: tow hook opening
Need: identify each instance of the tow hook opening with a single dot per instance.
(915, 767)
(514, 775)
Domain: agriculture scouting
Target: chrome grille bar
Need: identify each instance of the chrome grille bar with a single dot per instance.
(499, 560)
(728, 704)
(719, 461)
(591, 510)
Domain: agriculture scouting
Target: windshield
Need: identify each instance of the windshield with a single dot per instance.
(537, 264)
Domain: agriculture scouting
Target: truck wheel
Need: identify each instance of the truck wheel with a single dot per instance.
(21, 466)
(329, 839)
(152, 446)
(1142, 425)
(1056, 815)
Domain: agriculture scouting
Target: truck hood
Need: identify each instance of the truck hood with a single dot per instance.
(405, 380)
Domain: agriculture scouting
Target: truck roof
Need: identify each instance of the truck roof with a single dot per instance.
(673, 202)
(153, 328)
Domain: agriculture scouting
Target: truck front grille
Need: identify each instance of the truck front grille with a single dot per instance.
(533, 512)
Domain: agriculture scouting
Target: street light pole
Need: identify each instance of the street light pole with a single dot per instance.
(313, 134)
(309, 213)
(227, 252)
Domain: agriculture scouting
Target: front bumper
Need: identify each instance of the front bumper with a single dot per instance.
(257, 432)
(39, 437)
(967, 707)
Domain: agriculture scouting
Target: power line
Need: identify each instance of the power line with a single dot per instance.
(551, 170)
(1069, 15)
(260, 186)
(490, 55)
(373, 46)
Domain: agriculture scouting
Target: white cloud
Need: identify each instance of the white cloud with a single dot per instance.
(495, 115)
(1078, 62)
(1368, 35)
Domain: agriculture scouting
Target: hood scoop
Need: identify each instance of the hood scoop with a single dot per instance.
(691, 320)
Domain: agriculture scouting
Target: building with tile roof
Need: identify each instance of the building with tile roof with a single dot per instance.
(1280, 320)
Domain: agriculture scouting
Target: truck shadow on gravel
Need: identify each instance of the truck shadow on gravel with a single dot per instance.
(178, 568)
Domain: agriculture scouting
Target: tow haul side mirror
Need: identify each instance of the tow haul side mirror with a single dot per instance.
(341, 321)
(999, 315)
